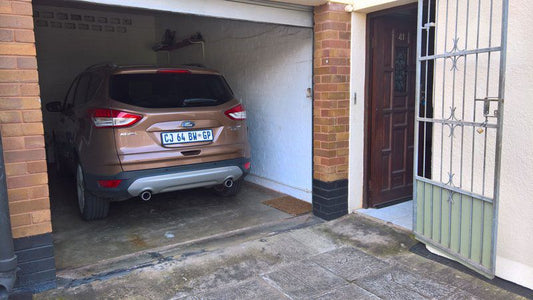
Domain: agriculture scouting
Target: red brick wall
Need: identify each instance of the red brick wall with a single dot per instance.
(331, 92)
(21, 122)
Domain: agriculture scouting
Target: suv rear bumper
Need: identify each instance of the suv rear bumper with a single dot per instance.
(169, 179)
(184, 180)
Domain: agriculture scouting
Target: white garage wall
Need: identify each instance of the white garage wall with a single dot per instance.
(62, 53)
(269, 67)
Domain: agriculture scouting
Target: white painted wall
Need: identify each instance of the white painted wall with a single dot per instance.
(269, 67)
(514, 259)
(63, 53)
(357, 112)
(452, 87)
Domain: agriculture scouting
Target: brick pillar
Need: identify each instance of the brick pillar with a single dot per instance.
(331, 110)
(24, 150)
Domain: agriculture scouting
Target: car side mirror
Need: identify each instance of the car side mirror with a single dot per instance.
(55, 106)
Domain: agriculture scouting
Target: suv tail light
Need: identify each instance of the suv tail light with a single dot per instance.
(105, 118)
(236, 113)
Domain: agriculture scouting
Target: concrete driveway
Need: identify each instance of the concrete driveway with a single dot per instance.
(350, 258)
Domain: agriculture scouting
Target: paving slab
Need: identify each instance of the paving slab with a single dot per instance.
(334, 263)
(461, 295)
(253, 289)
(367, 235)
(350, 291)
(303, 280)
(315, 242)
(397, 283)
(350, 263)
(466, 281)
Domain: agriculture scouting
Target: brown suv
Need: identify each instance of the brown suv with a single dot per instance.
(130, 131)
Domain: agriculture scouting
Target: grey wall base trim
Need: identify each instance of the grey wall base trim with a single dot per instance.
(36, 264)
(330, 199)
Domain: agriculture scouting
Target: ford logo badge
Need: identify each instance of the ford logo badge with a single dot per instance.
(187, 124)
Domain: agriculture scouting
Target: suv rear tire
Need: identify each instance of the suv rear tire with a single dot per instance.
(91, 207)
(224, 191)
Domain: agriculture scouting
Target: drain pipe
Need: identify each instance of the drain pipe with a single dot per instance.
(8, 259)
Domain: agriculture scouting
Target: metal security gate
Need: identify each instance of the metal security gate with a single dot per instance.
(460, 94)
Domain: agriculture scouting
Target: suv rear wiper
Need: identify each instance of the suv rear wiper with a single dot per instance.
(198, 101)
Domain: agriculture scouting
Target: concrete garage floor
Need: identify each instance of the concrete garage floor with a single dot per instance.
(350, 258)
(167, 219)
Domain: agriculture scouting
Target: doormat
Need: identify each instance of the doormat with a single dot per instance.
(290, 205)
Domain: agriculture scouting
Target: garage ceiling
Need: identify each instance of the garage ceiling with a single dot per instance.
(294, 5)
(314, 2)
(304, 3)
(263, 11)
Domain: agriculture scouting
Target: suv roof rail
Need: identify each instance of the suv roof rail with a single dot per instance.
(100, 65)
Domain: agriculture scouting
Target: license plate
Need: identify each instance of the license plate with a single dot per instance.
(182, 137)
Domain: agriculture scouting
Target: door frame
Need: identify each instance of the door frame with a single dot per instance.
(368, 93)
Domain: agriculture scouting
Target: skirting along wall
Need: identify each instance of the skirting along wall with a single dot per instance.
(23, 145)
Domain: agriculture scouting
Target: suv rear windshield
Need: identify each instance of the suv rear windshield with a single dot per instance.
(170, 90)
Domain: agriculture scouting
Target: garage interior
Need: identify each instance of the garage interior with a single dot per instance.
(268, 66)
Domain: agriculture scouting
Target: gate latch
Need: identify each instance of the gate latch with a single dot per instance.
(486, 106)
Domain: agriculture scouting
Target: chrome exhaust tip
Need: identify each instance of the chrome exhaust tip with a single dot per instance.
(146, 195)
(228, 183)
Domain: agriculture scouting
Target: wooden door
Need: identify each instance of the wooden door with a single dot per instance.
(392, 97)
